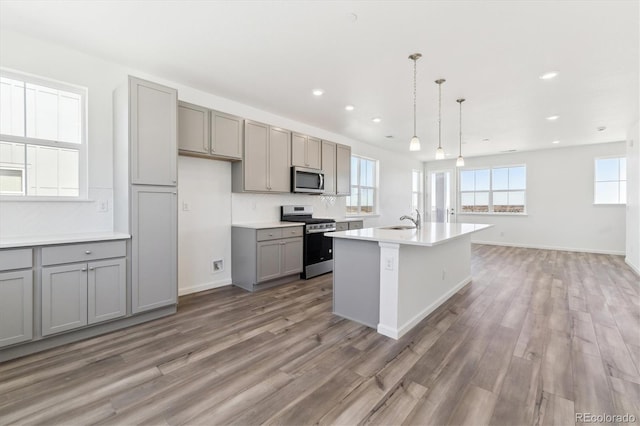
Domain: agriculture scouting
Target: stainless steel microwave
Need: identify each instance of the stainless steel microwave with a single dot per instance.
(307, 180)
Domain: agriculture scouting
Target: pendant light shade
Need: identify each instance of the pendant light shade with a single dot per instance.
(414, 144)
(460, 160)
(440, 151)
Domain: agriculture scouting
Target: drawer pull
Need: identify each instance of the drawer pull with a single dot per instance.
(87, 252)
(91, 269)
(271, 235)
(84, 269)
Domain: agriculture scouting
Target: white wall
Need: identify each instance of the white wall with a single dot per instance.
(633, 197)
(560, 210)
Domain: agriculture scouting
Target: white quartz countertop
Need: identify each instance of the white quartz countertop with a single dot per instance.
(430, 234)
(265, 225)
(45, 240)
(349, 219)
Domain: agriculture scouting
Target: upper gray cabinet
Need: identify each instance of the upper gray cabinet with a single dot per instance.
(267, 156)
(206, 133)
(153, 133)
(305, 151)
(193, 128)
(329, 167)
(343, 169)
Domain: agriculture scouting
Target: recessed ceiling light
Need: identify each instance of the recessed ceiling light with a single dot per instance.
(555, 142)
(318, 92)
(389, 136)
(485, 140)
(602, 128)
(376, 119)
(352, 17)
(548, 75)
(349, 107)
(553, 117)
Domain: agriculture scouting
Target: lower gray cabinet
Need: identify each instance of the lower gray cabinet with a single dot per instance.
(269, 260)
(16, 307)
(82, 293)
(291, 251)
(154, 247)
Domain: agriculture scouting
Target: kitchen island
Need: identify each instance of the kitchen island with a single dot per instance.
(391, 278)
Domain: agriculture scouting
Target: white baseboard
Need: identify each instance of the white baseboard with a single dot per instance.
(632, 266)
(202, 287)
(543, 247)
(401, 331)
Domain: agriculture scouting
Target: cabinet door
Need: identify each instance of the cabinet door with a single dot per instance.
(279, 160)
(154, 252)
(256, 156)
(193, 128)
(329, 166)
(298, 148)
(291, 256)
(313, 153)
(16, 307)
(153, 133)
(64, 298)
(226, 135)
(107, 290)
(343, 170)
(269, 260)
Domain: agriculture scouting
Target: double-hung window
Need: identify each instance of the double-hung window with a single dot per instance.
(610, 181)
(364, 186)
(493, 190)
(416, 190)
(42, 137)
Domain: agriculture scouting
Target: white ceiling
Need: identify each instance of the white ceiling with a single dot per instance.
(272, 54)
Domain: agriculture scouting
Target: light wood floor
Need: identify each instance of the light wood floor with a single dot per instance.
(535, 338)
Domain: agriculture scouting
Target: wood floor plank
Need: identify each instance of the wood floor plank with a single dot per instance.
(536, 337)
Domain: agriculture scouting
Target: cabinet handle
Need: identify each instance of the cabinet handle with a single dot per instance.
(174, 193)
(84, 269)
(271, 235)
(87, 252)
(91, 269)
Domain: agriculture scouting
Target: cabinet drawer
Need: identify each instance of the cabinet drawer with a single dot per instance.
(357, 224)
(342, 226)
(295, 231)
(54, 255)
(269, 234)
(15, 259)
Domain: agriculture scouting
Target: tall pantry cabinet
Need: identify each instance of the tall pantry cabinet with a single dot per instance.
(145, 189)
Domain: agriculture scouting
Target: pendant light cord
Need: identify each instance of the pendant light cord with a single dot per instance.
(414, 96)
(440, 115)
(460, 128)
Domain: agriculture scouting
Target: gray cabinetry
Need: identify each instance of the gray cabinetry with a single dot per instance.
(305, 151)
(343, 169)
(153, 133)
(77, 294)
(329, 166)
(267, 156)
(193, 128)
(342, 226)
(16, 296)
(226, 135)
(154, 258)
(265, 257)
(356, 224)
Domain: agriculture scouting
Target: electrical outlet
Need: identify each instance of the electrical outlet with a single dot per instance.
(388, 264)
(185, 206)
(217, 266)
(103, 206)
(444, 274)
(502, 234)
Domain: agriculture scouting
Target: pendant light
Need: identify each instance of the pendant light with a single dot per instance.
(440, 151)
(414, 145)
(460, 160)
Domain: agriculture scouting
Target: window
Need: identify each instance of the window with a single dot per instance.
(495, 190)
(416, 190)
(364, 186)
(611, 181)
(42, 137)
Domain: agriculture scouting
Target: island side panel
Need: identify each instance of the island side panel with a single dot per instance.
(429, 276)
(356, 280)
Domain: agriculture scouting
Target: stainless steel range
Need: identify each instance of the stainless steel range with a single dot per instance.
(318, 249)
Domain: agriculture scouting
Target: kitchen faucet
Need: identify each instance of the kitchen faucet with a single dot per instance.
(415, 221)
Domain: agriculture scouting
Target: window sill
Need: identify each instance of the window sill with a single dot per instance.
(361, 216)
(491, 214)
(9, 198)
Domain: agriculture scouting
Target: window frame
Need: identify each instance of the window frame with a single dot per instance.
(359, 212)
(420, 190)
(595, 181)
(81, 147)
(490, 191)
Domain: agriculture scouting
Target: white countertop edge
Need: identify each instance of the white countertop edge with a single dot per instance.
(46, 240)
(265, 225)
(356, 234)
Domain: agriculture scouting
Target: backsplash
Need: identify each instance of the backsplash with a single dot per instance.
(246, 208)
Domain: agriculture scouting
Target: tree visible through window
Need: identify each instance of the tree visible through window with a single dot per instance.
(495, 190)
(42, 137)
(611, 181)
(364, 186)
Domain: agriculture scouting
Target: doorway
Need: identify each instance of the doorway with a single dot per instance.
(442, 197)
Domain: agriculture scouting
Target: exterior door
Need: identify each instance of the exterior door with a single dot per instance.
(442, 196)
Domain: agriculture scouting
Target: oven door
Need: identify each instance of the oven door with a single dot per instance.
(317, 248)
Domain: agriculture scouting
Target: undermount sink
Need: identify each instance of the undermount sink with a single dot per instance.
(399, 227)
